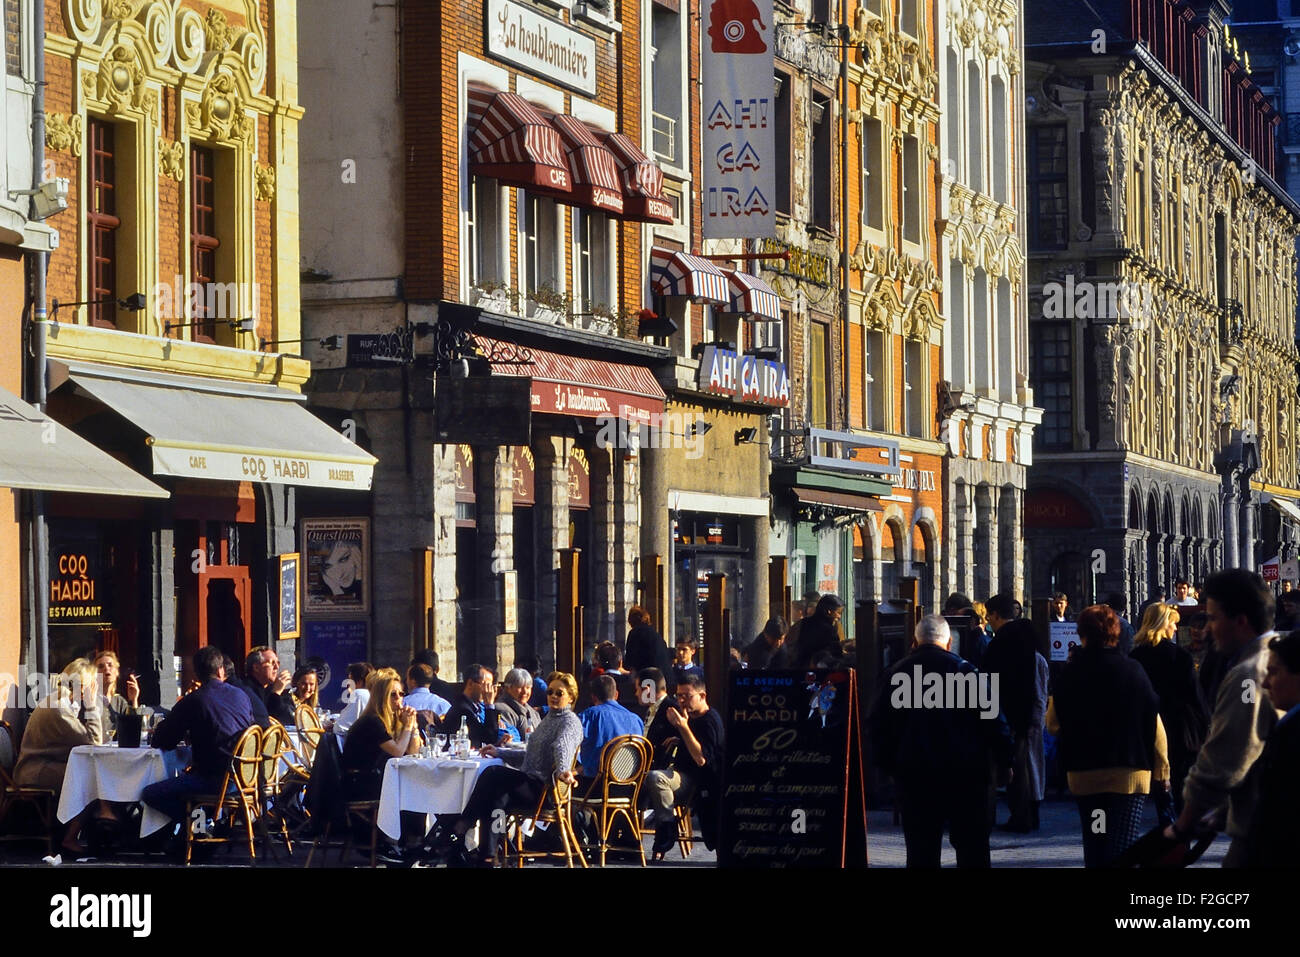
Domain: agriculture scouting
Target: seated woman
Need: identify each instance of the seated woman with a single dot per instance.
(519, 717)
(113, 704)
(551, 751)
(69, 716)
(385, 730)
(306, 688)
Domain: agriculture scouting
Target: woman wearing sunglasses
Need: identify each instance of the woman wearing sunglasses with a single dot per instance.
(551, 751)
(386, 729)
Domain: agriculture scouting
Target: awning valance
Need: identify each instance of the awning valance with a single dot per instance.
(643, 182)
(1286, 508)
(513, 142)
(38, 453)
(593, 168)
(843, 501)
(218, 429)
(674, 273)
(752, 296)
(589, 388)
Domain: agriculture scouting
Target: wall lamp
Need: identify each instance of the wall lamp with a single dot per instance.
(746, 436)
(329, 343)
(239, 325)
(132, 303)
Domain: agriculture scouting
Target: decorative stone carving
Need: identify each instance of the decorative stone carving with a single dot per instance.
(63, 133)
(219, 114)
(217, 31)
(171, 159)
(119, 82)
(264, 184)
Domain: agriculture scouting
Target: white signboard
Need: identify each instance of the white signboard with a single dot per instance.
(256, 467)
(1063, 635)
(543, 46)
(739, 137)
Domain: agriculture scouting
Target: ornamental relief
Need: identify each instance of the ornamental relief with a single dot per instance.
(63, 133)
(119, 84)
(894, 57)
(220, 114)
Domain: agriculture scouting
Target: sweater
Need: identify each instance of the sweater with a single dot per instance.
(53, 730)
(554, 745)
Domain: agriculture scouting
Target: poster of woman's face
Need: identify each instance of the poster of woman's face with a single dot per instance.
(336, 559)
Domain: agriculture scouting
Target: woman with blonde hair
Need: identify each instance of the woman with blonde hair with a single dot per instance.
(306, 688)
(1182, 706)
(71, 715)
(386, 729)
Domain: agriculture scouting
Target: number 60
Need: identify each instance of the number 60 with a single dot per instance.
(777, 738)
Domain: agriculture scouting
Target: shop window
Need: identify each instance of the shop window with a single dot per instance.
(1047, 187)
(876, 380)
(784, 141)
(916, 381)
(203, 238)
(873, 174)
(1050, 373)
(818, 390)
(103, 223)
(541, 266)
(913, 205)
(667, 131)
(823, 167)
(484, 240)
(595, 260)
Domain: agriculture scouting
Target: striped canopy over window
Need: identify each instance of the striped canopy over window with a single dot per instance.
(751, 296)
(643, 182)
(512, 142)
(594, 168)
(674, 273)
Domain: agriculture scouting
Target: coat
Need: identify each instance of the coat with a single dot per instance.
(52, 732)
(1182, 706)
(1274, 838)
(1037, 755)
(646, 649)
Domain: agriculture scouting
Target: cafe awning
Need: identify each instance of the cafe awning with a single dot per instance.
(674, 273)
(1286, 508)
(643, 182)
(514, 143)
(590, 388)
(594, 169)
(38, 453)
(218, 429)
(751, 296)
(841, 501)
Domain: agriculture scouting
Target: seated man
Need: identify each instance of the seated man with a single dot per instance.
(695, 770)
(443, 689)
(474, 704)
(271, 682)
(604, 721)
(427, 705)
(212, 717)
(260, 717)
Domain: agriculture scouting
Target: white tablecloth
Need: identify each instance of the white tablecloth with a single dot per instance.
(105, 772)
(427, 786)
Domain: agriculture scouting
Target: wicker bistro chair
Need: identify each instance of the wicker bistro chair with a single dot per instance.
(42, 800)
(281, 784)
(554, 808)
(681, 811)
(239, 794)
(310, 732)
(615, 792)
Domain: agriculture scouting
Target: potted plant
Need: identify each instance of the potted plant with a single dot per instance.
(549, 304)
(493, 295)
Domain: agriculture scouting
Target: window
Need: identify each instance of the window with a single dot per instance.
(203, 238)
(912, 198)
(591, 232)
(975, 139)
(908, 17)
(1046, 182)
(999, 140)
(817, 391)
(666, 73)
(952, 118)
(484, 242)
(873, 174)
(102, 223)
(1049, 363)
(539, 260)
(876, 380)
(823, 169)
(916, 381)
(784, 142)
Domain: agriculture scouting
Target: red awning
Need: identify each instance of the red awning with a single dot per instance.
(643, 182)
(594, 168)
(589, 388)
(512, 142)
(752, 297)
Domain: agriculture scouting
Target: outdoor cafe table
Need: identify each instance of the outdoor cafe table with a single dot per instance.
(105, 772)
(427, 786)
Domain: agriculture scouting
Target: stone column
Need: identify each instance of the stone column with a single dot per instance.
(627, 538)
(948, 576)
(443, 462)
(278, 508)
(602, 568)
(965, 550)
(1011, 575)
(494, 505)
(551, 477)
(986, 518)
(1247, 542)
(162, 604)
(749, 619)
(1231, 509)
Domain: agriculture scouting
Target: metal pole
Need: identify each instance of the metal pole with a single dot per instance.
(39, 531)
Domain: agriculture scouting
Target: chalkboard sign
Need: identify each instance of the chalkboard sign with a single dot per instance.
(792, 787)
(290, 607)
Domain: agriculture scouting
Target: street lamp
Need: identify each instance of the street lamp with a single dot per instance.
(132, 303)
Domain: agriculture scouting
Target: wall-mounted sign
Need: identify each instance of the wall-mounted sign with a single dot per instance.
(747, 378)
(510, 598)
(544, 46)
(803, 263)
(579, 479)
(524, 480)
(739, 135)
(290, 606)
(76, 580)
(338, 644)
(918, 480)
(464, 473)
(376, 350)
(336, 562)
(251, 466)
(1055, 508)
(483, 410)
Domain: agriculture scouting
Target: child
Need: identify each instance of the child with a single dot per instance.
(682, 663)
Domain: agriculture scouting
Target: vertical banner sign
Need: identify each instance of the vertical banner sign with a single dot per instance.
(739, 137)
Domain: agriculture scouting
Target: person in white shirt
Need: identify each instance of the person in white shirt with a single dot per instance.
(1183, 593)
(427, 705)
(355, 697)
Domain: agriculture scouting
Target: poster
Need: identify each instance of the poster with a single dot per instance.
(330, 646)
(290, 606)
(336, 564)
(1064, 635)
(739, 135)
(510, 595)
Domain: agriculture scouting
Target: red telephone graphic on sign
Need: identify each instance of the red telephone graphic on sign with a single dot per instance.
(731, 27)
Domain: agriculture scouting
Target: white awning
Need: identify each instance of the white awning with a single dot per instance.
(38, 453)
(1287, 508)
(219, 429)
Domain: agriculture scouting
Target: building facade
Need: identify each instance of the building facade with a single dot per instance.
(1162, 277)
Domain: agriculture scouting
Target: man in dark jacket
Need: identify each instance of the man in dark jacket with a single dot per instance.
(1274, 836)
(1010, 656)
(474, 704)
(820, 635)
(645, 647)
(271, 682)
(943, 758)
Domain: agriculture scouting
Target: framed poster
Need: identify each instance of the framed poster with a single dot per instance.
(510, 595)
(336, 566)
(290, 607)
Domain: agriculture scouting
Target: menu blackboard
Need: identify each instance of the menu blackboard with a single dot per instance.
(290, 608)
(792, 788)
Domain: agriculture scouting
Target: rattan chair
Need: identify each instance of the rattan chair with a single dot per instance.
(239, 794)
(42, 800)
(282, 781)
(310, 732)
(615, 792)
(681, 812)
(555, 807)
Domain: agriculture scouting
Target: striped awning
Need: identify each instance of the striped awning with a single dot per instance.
(594, 168)
(674, 273)
(512, 142)
(643, 182)
(751, 296)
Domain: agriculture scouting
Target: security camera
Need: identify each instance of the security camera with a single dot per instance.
(50, 197)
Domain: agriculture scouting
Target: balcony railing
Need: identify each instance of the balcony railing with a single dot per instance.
(663, 137)
(1231, 323)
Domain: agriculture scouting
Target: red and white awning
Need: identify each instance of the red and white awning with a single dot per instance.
(512, 142)
(643, 182)
(674, 273)
(594, 168)
(751, 296)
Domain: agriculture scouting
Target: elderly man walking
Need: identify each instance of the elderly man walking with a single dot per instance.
(937, 728)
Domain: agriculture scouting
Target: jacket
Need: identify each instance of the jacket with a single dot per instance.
(481, 732)
(1010, 655)
(1107, 712)
(1182, 706)
(52, 732)
(1274, 834)
(646, 649)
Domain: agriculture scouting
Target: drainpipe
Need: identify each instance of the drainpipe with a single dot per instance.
(39, 538)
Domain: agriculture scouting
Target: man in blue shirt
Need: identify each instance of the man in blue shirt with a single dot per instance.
(213, 717)
(429, 706)
(604, 721)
